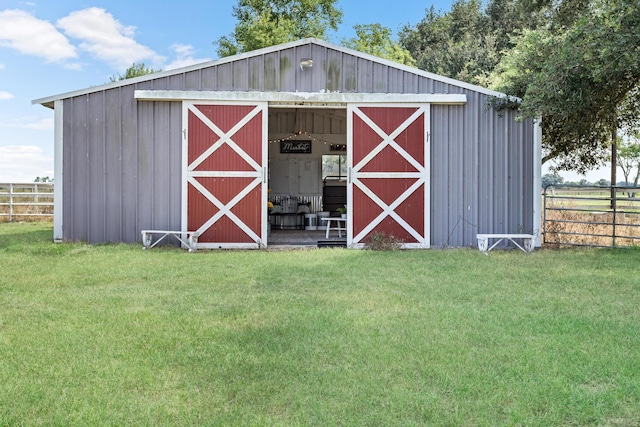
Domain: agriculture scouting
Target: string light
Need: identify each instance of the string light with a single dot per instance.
(298, 135)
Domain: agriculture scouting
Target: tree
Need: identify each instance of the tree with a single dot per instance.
(263, 23)
(375, 39)
(468, 42)
(549, 179)
(453, 44)
(136, 70)
(629, 159)
(580, 75)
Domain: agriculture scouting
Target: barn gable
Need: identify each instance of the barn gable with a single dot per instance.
(119, 158)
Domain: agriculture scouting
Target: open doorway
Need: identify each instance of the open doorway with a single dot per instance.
(306, 174)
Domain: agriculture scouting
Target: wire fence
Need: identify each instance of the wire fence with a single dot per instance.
(26, 202)
(591, 216)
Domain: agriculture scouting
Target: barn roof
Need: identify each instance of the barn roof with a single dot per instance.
(48, 101)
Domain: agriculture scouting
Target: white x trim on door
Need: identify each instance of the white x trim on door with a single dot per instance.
(357, 177)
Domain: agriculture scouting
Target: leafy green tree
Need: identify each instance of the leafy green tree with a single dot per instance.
(136, 70)
(467, 42)
(375, 39)
(629, 159)
(263, 23)
(551, 179)
(581, 77)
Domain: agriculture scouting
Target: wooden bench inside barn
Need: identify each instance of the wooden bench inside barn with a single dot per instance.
(527, 241)
(188, 238)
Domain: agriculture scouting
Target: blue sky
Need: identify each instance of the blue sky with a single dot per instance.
(49, 47)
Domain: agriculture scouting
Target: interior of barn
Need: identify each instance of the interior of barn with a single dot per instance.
(307, 170)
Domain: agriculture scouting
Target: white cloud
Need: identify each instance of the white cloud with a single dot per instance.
(1, 66)
(23, 163)
(184, 57)
(29, 122)
(5, 95)
(106, 38)
(27, 34)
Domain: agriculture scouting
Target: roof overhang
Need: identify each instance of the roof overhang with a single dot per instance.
(301, 99)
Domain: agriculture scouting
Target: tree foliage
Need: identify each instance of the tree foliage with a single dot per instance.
(136, 70)
(467, 42)
(629, 158)
(263, 23)
(580, 76)
(376, 39)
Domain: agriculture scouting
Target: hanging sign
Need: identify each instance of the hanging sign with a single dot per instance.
(295, 147)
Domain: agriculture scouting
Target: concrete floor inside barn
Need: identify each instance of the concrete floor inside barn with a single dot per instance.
(303, 238)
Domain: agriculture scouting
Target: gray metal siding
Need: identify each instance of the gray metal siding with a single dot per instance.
(122, 167)
(122, 159)
(482, 173)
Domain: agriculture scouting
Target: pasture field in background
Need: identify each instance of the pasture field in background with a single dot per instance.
(113, 335)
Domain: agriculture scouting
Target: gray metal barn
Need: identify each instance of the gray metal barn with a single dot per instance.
(204, 147)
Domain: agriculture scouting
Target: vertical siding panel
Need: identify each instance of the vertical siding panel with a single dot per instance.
(175, 166)
(70, 154)
(146, 174)
(285, 65)
(456, 175)
(81, 175)
(411, 83)
(209, 78)
(255, 75)
(160, 84)
(81, 172)
(96, 173)
(472, 170)
(396, 81)
(364, 76)
(380, 78)
(271, 68)
(439, 175)
(501, 177)
(240, 75)
(485, 157)
(113, 167)
(349, 73)
(304, 77)
(224, 80)
(176, 82)
(334, 72)
(193, 80)
(129, 192)
(160, 202)
(528, 207)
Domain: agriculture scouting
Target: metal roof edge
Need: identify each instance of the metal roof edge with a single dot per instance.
(48, 101)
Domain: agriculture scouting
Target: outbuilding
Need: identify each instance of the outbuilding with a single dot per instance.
(203, 148)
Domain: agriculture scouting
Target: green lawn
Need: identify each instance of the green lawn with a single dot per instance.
(113, 335)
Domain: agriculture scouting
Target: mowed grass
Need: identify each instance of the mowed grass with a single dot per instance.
(113, 335)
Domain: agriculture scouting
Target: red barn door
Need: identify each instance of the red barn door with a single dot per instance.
(388, 160)
(224, 167)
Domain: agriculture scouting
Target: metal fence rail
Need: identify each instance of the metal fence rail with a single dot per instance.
(591, 216)
(26, 201)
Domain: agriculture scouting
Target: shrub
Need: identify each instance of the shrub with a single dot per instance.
(379, 241)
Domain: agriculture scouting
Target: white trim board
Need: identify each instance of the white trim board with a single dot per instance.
(299, 99)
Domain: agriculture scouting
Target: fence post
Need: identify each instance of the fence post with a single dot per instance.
(614, 202)
(10, 202)
(544, 214)
(35, 208)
